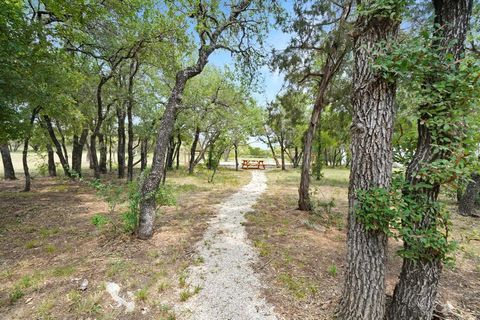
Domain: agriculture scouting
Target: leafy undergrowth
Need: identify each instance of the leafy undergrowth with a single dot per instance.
(50, 245)
(302, 255)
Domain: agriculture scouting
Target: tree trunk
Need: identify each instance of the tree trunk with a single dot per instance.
(170, 153)
(77, 151)
(235, 146)
(143, 154)
(415, 294)
(466, 203)
(58, 147)
(363, 295)
(94, 157)
(177, 152)
(8, 170)
(52, 170)
(121, 141)
(270, 145)
(134, 65)
(103, 153)
(25, 150)
(282, 152)
(318, 161)
(193, 149)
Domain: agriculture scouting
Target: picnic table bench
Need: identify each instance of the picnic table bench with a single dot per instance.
(253, 164)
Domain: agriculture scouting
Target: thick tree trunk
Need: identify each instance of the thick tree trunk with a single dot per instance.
(363, 295)
(193, 149)
(77, 151)
(415, 294)
(466, 203)
(103, 153)
(58, 147)
(235, 146)
(8, 170)
(52, 169)
(121, 141)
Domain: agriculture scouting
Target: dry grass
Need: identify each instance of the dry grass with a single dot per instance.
(303, 255)
(49, 243)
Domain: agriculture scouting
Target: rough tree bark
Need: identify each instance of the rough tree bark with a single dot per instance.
(8, 170)
(363, 295)
(58, 147)
(77, 151)
(466, 203)
(415, 294)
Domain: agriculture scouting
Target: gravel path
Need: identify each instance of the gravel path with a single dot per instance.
(230, 289)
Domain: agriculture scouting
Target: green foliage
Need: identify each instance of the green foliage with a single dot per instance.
(99, 220)
(131, 216)
(392, 9)
(399, 212)
(16, 294)
(165, 196)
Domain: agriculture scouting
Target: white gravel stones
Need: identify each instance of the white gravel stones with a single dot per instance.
(230, 290)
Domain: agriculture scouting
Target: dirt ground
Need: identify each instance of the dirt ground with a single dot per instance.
(49, 246)
(303, 255)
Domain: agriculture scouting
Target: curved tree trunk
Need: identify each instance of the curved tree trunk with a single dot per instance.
(58, 146)
(415, 294)
(8, 170)
(363, 295)
(143, 154)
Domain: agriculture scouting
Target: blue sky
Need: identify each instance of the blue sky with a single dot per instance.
(271, 82)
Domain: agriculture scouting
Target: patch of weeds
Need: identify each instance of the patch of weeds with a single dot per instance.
(163, 286)
(142, 294)
(198, 261)
(99, 220)
(45, 308)
(263, 247)
(333, 270)
(89, 305)
(32, 244)
(187, 294)
(50, 248)
(117, 267)
(182, 280)
(63, 271)
(16, 294)
(48, 232)
(297, 287)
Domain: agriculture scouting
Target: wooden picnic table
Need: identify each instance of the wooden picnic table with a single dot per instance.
(253, 164)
